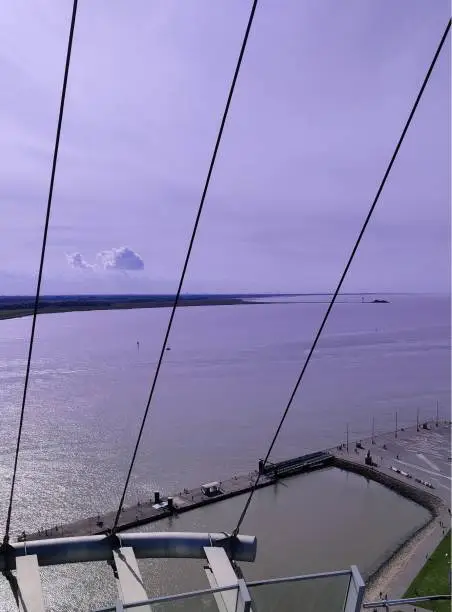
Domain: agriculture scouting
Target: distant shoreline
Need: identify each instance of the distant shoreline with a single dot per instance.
(12, 307)
(26, 310)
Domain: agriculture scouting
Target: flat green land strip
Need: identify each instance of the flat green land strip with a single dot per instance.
(433, 579)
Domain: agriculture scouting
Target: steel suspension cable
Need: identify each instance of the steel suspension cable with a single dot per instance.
(343, 275)
(187, 257)
(41, 266)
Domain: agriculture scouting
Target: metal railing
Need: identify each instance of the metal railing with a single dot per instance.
(338, 591)
(350, 597)
(119, 606)
(389, 603)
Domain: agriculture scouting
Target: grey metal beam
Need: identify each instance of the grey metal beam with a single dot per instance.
(146, 545)
(130, 582)
(222, 575)
(29, 585)
(243, 597)
(216, 595)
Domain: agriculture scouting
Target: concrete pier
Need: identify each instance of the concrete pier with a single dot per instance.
(415, 464)
(145, 512)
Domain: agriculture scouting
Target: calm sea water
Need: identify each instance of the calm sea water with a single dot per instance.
(222, 389)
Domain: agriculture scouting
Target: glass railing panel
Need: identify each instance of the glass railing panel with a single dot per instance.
(201, 603)
(326, 594)
(197, 601)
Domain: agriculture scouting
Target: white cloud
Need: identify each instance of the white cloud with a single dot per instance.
(120, 259)
(123, 259)
(76, 261)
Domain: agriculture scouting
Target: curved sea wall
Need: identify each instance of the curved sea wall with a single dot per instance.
(424, 498)
(414, 493)
(397, 557)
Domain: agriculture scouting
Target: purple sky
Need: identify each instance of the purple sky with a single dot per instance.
(325, 89)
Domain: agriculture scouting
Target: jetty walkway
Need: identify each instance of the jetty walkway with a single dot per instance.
(415, 462)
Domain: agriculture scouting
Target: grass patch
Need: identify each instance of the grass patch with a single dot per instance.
(433, 579)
